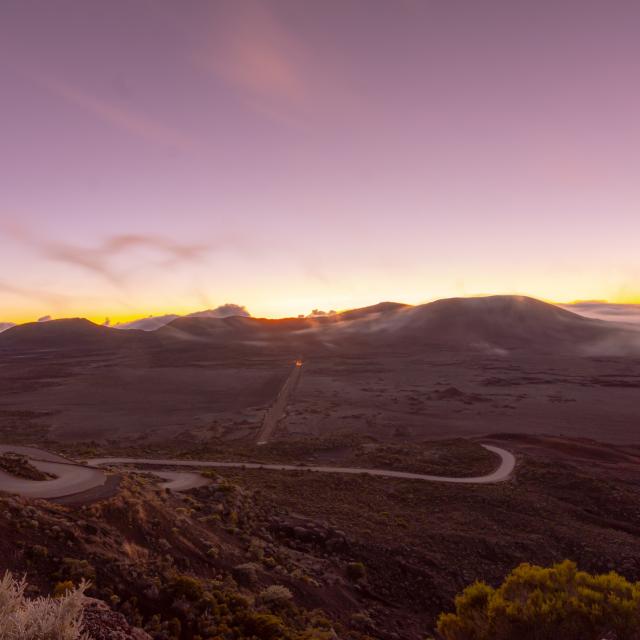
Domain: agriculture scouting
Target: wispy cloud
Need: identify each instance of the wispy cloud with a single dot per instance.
(254, 52)
(251, 48)
(119, 116)
(100, 259)
(47, 297)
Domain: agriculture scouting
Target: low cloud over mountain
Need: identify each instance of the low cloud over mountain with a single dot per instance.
(629, 313)
(223, 311)
(155, 322)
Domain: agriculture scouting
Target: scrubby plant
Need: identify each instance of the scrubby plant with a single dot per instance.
(40, 618)
(537, 603)
(77, 570)
(247, 573)
(264, 626)
(63, 588)
(187, 587)
(275, 595)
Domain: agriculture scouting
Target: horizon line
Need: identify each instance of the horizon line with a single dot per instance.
(120, 320)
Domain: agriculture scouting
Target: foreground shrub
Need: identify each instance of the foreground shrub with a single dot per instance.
(40, 618)
(536, 603)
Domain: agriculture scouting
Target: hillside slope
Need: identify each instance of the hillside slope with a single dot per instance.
(70, 334)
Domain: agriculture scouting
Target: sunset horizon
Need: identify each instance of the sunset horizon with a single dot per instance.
(114, 319)
(275, 155)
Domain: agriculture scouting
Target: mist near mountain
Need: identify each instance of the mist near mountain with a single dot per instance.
(629, 313)
(152, 323)
(492, 325)
(463, 366)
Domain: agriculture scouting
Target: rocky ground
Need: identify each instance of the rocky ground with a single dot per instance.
(102, 623)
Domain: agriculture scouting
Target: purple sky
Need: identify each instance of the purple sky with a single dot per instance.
(285, 155)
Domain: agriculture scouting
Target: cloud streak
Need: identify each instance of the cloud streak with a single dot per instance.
(120, 117)
(254, 53)
(99, 259)
(251, 48)
(47, 297)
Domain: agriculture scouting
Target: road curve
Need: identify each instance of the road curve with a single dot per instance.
(502, 472)
(73, 478)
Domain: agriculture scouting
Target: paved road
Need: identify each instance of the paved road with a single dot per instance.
(181, 480)
(71, 477)
(502, 473)
(276, 411)
(35, 454)
(74, 478)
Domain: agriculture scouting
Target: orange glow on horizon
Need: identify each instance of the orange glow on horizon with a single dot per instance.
(287, 310)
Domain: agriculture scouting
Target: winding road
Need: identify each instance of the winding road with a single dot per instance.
(73, 478)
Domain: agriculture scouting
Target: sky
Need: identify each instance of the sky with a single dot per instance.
(162, 157)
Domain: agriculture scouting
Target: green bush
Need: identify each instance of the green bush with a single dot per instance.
(536, 603)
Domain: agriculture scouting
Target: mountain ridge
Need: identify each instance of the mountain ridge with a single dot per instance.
(488, 322)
